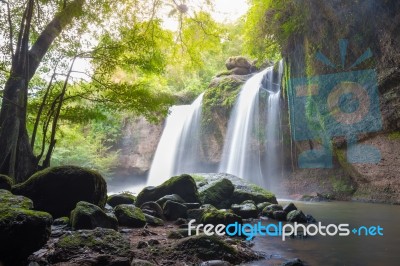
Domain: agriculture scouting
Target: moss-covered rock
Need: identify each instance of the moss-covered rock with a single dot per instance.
(174, 210)
(130, 215)
(152, 208)
(296, 216)
(183, 185)
(246, 209)
(258, 196)
(7, 199)
(100, 240)
(57, 190)
(173, 197)
(122, 198)
(217, 193)
(151, 220)
(61, 221)
(89, 216)
(214, 216)
(212, 248)
(269, 210)
(6, 182)
(22, 232)
(262, 205)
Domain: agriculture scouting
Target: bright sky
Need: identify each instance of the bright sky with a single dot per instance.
(224, 11)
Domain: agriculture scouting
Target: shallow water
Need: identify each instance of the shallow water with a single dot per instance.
(340, 250)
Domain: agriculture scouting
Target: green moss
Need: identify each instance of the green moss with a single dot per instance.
(214, 216)
(394, 135)
(198, 178)
(217, 193)
(7, 213)
(6, 182)
(14, 201)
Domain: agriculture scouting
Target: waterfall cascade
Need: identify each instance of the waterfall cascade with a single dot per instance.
(179, 147)
(249, 138)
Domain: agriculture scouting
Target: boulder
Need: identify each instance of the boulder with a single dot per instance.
(130, 216)
(152, 208)
(13, 201)
(101, 243)
(240, 71)
(194, 205)
(122, 198)
(174, 210)
(183, 185)
(246, 209)
(279, 215)
(5, 182)
(57, 190)
(296, 216)
(151, 220)
(217, 193)
(215, 217)
(262, 205)
(173, 197)
(212, 248)
(89, 216)
(238, 61)
(22, 232)
(290, 207)
(293, 262)
(269, 210)
(63, 221)
(261, 195)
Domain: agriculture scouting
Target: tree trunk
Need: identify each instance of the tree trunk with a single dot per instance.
(16, 155)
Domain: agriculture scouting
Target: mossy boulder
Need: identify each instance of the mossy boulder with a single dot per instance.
(89, 216)
(173, 197)
(57, 190)
(63, 221)
(183, 185)
(217, 193)
(22, 232)
(290, 207)
(174, 210)
(153, 208)
(246, 209)
(7, 199)
(270, 209)
(238, 61)
(122, 198)
(214, 216)
(212, 248)
(151, 220)
(130, 216)
(6, 182)
(98, 241)
(296, 216)
(262, 205)
(258, 195)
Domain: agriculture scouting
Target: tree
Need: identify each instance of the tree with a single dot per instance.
(41, 34)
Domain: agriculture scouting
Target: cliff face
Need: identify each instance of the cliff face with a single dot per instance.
(365, 25)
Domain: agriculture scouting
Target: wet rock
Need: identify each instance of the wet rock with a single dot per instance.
(195, 214)
(183, 185)
(174, 210)
(310, 219)
(122, 198)
(212, 248)
(194, 205)
(215, 217)
(261, 195)
(262, 205)
(138, 262)
(151, 220)
(130, 216)
(152, 208)
(14, 201)
(172, 197)
(89, 216)
(245, 210)
(22, 232)
(215, 263)
(61, 221)
(6, 182)
(279, 215)
(290, 207)
(57, 190)
(296, 216)
(217, 193)
(293, 262)
(269, 210)
(106, 243)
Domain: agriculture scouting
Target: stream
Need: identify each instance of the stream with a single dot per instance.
(340, 250)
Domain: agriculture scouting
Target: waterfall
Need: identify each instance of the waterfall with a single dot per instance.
(247, 138)
(178, 149)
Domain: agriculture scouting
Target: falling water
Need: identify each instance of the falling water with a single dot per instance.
(178, 149)
(245, 142)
